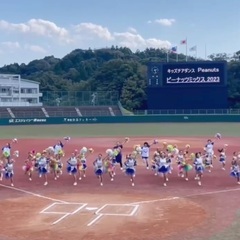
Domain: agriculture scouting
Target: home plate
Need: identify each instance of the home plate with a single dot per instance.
(91, 208)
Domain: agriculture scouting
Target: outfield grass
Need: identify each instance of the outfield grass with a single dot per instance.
(111, 130)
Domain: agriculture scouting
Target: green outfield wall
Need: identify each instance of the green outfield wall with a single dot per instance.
(121, 119)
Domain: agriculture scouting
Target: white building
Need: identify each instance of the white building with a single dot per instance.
(15, 91)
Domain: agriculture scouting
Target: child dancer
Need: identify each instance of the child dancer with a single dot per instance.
(110, 166)
(130, 165)
(82, 166)
(155, 161)
(208, 161)
(82, 161)
(209, 148)
(6, 152)
(222, 157)
(9, 170)
(163, 167)
(145, 152)
(186, 165)
(180, 161)
(118, 151)
(29, 166)
(72, 164)
(1, 169)
(58, 147)
(53, 163)
(99, 168)
(43, 167)
(235, 169)
(199, 167)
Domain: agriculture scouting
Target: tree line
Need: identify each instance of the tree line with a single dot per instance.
(115, 69)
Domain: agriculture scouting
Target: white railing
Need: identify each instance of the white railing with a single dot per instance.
(20, 104)
(188, 112)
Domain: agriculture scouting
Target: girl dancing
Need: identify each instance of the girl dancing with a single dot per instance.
(43, 167)
(235, 169)
(72, 167)
(163, 167)
(145, 152)
(9, 170)
(130, 166)
(199, 167)
(99, 168)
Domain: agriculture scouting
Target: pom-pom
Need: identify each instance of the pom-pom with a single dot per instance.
(91, 150)
(155, 141)
(61, 153)
(67, 138)
(16, 153)
(127, 139)
(156, 153)
(134, 154)
(187, 146)
(136, 146)
(175, 151)
(15, 140)
(218, 135)
(192, 155)
(50, 149)
(83, 150)
(138, 149)
(6, 154)
(170, 148)
(109, 152)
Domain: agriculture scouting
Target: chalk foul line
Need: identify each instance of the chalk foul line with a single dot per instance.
(188, 196)
(33, 194)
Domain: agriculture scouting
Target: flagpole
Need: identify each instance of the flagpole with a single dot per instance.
(205, 51)
(167, 55)
(186, 50)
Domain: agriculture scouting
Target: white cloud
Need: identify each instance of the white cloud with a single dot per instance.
(136, 41)
(84, 35)
(39, 27)
(35, 48)
(10, 45)
(164, 21)
(93, 30)
(132, 30)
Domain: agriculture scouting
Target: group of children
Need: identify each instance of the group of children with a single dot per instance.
(51, 160)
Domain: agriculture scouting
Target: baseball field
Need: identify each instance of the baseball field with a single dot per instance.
(181, 211)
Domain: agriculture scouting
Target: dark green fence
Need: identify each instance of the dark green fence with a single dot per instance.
(121, 119)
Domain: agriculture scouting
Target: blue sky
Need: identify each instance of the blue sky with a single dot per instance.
(33, 29)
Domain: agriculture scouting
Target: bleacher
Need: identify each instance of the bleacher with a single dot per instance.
(43, 112)
(62, 111)
(94, 111)
(4, 113)
(27, 112)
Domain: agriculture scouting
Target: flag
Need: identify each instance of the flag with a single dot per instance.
(174, 49)
(194, 48)
(183, 41)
